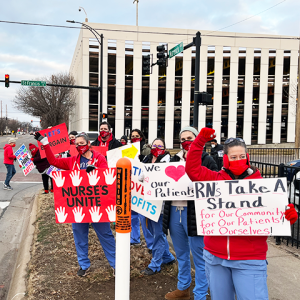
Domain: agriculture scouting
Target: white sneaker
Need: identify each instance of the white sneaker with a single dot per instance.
(5, 187)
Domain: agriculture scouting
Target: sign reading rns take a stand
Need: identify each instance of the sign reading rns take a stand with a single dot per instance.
(33, 83)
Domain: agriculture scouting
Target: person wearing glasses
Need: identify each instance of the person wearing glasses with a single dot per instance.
(85, 160)
(106, 138)
(160, 250)
(180, 219)
(235, 265)
(137, 135)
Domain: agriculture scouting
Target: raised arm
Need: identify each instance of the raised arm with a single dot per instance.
(194, 167)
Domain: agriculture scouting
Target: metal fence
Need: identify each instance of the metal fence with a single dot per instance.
(271, 171)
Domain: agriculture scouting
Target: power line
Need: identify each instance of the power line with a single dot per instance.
(248, 17)
(153, 32)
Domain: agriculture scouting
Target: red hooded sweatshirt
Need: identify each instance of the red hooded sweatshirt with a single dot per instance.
(226, 247)
(73, 162)
(8, 155)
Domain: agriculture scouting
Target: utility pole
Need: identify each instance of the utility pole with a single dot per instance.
(137, 11)
(197, 79)
(297, 140)
(6, 120)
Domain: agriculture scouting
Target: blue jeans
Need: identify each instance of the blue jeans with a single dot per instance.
(247, 279)
(81, 238)
(147, 231)
(160, 250)
(182, 245)
(135, 228)
(11, 171)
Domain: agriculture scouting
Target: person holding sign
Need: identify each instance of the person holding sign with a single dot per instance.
(9, 158)
(235, 265)
(106, 138)
(88, 160)
(160, 248)
(138, 136)
(42, 165)
(179, 217)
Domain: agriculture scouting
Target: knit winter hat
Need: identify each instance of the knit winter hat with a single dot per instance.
(33, 149)
(11, 140)
(189, 128)
(124, 137)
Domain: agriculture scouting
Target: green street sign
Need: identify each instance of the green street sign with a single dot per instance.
(33, 83)
(176, 50)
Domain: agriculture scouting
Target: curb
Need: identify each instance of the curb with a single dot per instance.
(17, 288)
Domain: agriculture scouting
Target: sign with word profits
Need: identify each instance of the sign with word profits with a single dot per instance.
(81, 197)
(24, 160)
(167, 182)
(176, 50)
(33, 83)
(242, 207)
(58, 139)
(148, 208)
(129, 151)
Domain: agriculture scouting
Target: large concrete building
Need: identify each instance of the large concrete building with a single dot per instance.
(252, 78)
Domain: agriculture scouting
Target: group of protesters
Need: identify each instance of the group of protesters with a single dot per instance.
(231, 266)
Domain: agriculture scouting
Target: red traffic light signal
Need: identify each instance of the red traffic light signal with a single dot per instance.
(104, 116)
(6, 80)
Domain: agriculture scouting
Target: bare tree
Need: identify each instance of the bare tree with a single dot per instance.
(13, 125)
(52, 105)
(2, 125)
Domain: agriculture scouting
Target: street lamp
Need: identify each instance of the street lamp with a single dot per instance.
(80, 8)
(95, 33)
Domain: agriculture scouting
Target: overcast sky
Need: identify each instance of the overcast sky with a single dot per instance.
(30, 52)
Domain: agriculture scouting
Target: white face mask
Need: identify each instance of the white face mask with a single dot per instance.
(213, 145)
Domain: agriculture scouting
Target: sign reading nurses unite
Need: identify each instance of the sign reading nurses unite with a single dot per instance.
(58, 139)
(242, 207)
(81, 197)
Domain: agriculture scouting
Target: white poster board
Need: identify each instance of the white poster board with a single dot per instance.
(23, 157)
(50, 170)
(148, 208)
(129, 151)
(167, 182)
(242, 207)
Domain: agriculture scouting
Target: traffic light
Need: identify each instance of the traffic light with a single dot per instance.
(104, 116)
(162, 55)
(31, 121)
(146, 65)
(6, 80)
(203, 98)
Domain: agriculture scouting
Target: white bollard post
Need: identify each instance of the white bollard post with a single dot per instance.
(123, 229)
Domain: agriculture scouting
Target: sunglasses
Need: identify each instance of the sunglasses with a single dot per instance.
(158, 146)
(230, 140)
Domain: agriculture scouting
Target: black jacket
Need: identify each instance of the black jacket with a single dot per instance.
(112, 144)
(207, 162)
(214, 151)
(41, 163)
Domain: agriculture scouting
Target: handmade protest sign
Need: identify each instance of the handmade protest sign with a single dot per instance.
(130, 151)
(50, 170)
(58, 139)
(167, 182)
(148, 208)
(102, 150)
(242, 207)
(24, 160)
(81, 197)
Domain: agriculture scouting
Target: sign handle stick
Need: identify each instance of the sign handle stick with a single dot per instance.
(123, 229)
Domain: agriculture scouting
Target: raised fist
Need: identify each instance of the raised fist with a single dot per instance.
(207, 133)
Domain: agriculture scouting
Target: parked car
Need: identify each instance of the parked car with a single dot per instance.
(293, 179)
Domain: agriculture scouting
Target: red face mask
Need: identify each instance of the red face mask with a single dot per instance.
(33, 151)
(13, 145)
(123, 143)
(238, 167)
(156, 152)
(72, 142)
(104, 134)
(82, 149)
(186, 145)
(135, 140)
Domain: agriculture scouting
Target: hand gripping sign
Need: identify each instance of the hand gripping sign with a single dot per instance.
(82, 197)
(58, 139)
(242, 207)
(123, 192)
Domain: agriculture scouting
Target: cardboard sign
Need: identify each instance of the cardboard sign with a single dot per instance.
(82, 197)
(242, 207)
(24, 160)
(123, 201)
(102, 150)
(167, 182)
(58, 139)
(148, 208)
(130, 151)
(50, 170)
